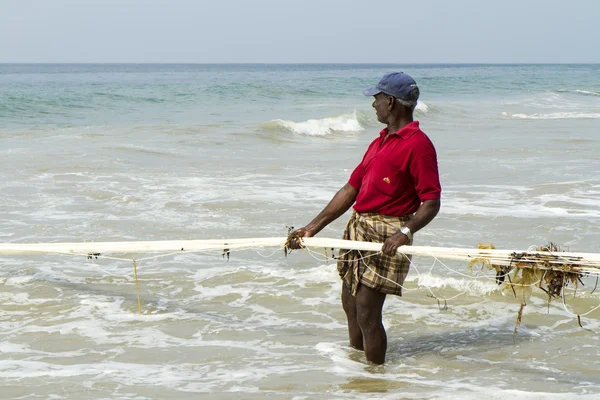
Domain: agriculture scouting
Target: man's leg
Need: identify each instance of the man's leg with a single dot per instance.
(349, 304)
(369, 304)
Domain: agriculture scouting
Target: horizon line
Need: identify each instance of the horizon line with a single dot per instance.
(293, 63)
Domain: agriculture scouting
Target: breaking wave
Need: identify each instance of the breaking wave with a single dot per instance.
(345, 123)
(557, 115)
(583, 92)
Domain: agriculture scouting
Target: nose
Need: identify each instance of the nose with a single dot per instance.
(373, 104)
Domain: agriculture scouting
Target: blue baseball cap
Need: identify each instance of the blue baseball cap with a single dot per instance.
(396, 84)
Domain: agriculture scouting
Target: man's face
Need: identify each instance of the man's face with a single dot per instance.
(382, 107)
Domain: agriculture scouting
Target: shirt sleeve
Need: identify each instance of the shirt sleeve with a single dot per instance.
(424, 171)
(357, 176)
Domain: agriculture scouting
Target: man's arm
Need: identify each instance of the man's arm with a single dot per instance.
(425, 213)
(339, 204)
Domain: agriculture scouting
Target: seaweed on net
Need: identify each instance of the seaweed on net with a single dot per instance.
(523, 274)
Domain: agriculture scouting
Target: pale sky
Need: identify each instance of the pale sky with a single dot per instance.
(300, 31)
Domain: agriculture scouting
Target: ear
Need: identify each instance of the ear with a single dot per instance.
(391, 101)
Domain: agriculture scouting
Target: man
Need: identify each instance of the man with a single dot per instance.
(395, 191)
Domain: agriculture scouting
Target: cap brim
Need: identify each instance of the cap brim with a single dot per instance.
(372, 91)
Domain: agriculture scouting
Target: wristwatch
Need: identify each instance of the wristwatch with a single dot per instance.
(406, 231)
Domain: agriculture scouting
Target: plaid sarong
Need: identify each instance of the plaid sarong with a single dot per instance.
(384, 273)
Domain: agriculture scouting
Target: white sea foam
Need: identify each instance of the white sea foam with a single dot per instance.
(496, 393)
(422, 107)
(325, 273)
(560, 199)
(469, 284)
(346, 123)
(582, 91)
(545, 100)
(557, 115)
(498, 208)
(588, 92)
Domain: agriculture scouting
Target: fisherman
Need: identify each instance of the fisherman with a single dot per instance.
(395, 191)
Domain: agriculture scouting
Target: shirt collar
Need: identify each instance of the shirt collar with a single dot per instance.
(405, 132)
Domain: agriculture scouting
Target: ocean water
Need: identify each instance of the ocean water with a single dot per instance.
(159, 152)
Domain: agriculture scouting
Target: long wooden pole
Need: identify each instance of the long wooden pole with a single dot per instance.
(578, 262)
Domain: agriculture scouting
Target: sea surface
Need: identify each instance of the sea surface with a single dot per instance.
(161, 152)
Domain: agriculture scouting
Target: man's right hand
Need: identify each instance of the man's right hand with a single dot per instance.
(339, 204)
(294, 239)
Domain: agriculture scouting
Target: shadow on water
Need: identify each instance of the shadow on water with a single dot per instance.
(449, 343)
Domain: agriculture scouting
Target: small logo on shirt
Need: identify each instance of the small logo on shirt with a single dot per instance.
(386, 180)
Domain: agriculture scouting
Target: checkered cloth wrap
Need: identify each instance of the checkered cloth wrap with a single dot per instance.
(351, 266)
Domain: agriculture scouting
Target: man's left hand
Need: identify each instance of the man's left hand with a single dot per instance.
(391, 244)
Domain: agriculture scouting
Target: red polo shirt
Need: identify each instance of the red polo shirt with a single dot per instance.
(395, 177)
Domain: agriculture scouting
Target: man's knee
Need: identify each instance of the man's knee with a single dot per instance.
(368, 317)
(368, 314)
(369, 305)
